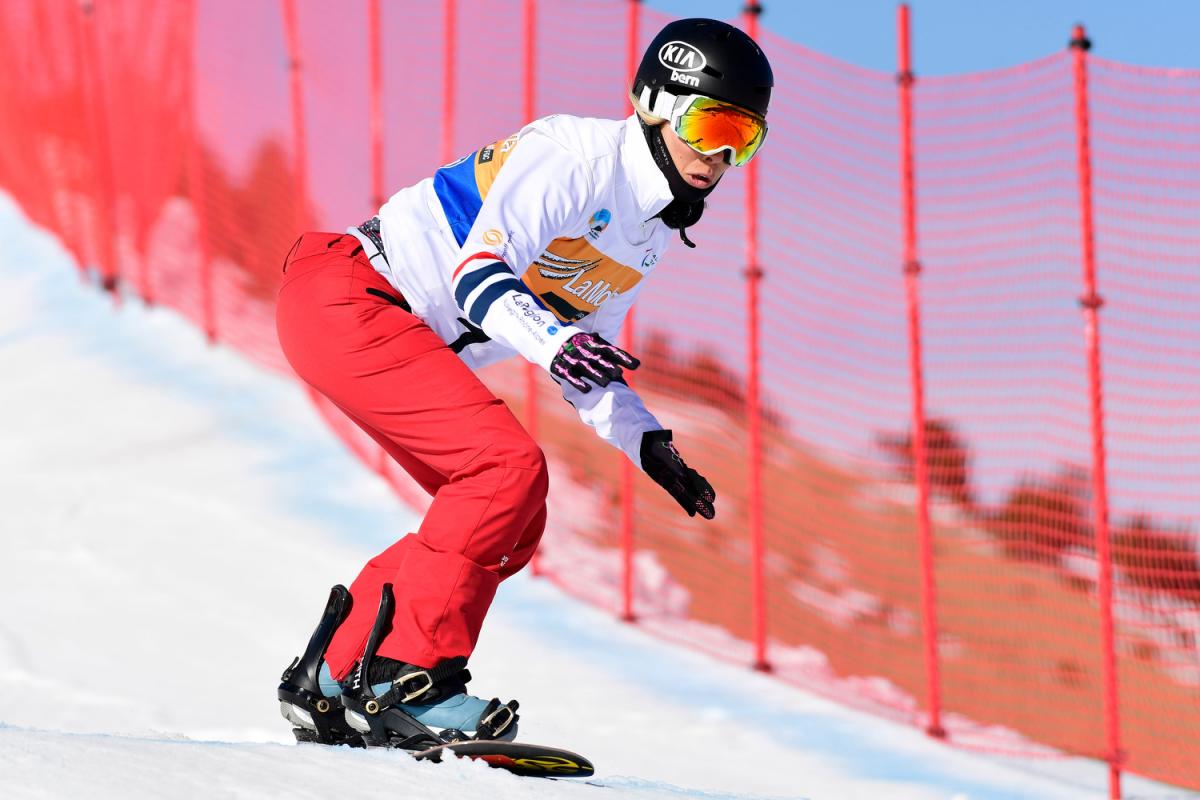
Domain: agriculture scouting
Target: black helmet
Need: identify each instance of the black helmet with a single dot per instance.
(707, 57)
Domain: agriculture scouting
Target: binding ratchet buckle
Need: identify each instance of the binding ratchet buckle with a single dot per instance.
(496, 719)
(403, 681)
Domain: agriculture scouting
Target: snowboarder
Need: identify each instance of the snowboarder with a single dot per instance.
(535, 245)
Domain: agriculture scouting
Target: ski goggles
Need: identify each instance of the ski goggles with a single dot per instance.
(710, 126)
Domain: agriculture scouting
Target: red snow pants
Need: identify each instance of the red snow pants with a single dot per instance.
(396, 379)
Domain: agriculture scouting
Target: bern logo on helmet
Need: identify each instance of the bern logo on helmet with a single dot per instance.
(681, 57)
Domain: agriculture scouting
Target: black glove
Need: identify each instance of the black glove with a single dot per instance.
(587, 355)
(662, 462)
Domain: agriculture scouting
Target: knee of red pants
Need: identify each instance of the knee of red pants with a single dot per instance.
(502, 490)
(537, 484)
(515, 479)
(527, 455)
(524, 466)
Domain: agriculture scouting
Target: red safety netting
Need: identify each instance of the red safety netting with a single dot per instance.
(179, 148)
(1145, 138)
(1006, 386)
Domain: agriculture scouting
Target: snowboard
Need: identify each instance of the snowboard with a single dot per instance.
(532, 760)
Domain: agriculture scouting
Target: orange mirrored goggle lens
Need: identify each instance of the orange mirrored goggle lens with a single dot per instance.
(709, 126)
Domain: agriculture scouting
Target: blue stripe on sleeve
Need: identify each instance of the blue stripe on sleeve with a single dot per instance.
(471, 279)
(479, 308)
(458, 192)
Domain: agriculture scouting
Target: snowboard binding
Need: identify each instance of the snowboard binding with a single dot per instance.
(381, 720)
(316, 716)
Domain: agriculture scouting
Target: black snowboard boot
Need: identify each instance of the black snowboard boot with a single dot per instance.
(315, 710)
(394, 704)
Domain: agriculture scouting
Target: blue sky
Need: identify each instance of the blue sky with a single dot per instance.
(954, 36)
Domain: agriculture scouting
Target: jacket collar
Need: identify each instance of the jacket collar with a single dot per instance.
(651, 192)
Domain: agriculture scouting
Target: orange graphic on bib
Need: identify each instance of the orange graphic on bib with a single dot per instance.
(573, 279)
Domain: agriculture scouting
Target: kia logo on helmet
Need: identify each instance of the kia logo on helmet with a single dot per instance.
(681, 56)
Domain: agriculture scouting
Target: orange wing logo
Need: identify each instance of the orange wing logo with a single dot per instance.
(575, 279)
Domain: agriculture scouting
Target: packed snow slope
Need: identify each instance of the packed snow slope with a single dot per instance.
(172, 521)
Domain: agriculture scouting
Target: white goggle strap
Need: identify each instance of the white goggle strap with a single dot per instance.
(664, 102)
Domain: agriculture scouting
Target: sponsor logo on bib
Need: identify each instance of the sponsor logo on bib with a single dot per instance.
(598, 223)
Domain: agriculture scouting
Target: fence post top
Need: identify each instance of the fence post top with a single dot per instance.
(1079, 39)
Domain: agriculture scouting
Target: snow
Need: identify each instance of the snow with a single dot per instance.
(173, 518)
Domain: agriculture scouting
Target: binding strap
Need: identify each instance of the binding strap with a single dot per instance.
(413, 686)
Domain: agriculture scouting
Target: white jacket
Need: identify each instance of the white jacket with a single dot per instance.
(567, 205)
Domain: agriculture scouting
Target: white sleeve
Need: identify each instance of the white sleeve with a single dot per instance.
(542, 192)
(610, 317)
(617, 414)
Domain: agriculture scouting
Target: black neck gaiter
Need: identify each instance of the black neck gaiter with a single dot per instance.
(687, 206)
